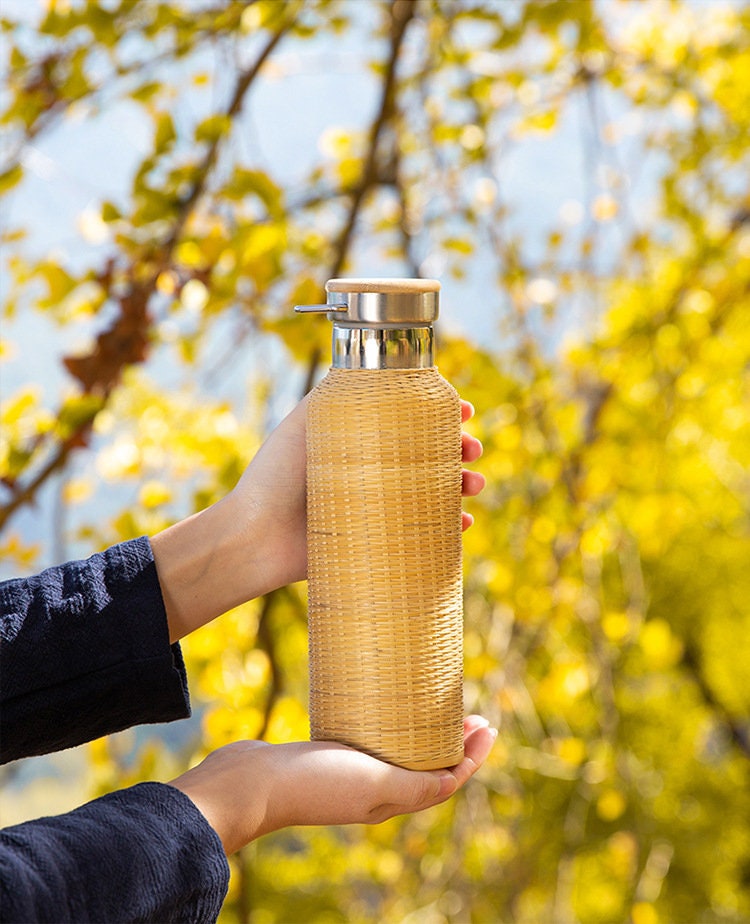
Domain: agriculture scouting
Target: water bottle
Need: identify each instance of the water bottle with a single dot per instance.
(384, 530)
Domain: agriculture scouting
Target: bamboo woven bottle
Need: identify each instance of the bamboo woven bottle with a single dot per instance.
(384, 530)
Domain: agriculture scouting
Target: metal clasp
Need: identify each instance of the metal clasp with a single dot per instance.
(337, 303)
(310, 309)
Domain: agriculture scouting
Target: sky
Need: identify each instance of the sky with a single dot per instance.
(312, 90)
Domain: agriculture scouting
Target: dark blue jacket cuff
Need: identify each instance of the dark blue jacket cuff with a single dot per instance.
(85, 651)
(139, 854)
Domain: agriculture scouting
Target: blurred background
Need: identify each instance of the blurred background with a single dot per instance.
(177, 174)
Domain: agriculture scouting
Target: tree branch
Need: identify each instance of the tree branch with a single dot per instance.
(739, 732)
(401, 12)
(242, 86)
(265, 640)
(125, 341)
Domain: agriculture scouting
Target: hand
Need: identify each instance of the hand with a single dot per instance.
(247, 544)
(471, 450)
(274, 486)
(250, 788)
(254, 540)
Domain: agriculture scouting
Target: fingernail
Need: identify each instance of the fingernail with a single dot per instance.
(487, 746)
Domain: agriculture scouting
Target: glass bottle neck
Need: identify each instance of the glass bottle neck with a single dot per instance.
(382, 347)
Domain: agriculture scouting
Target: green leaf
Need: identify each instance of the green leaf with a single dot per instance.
(246, 182)
(212, 128)
(146, 91)
(110, 212)
(165, 134)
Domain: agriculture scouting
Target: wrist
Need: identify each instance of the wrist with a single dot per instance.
(229, 788)
(207, 564)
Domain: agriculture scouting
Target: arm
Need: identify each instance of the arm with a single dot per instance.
(249, 788)
(249, 543)
(140, 854)
(253, 540)
(155, 852)
(85, 651)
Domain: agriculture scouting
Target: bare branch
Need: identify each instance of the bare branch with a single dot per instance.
(402, 12)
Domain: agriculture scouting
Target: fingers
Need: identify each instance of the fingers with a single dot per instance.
(472, 483)
(471, 448)
(430, 788)
(250, 788)
(478, 743)
(472, 723)
(479, 739)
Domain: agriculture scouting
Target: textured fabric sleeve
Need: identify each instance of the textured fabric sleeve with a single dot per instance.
(84, 651)
(140, 854)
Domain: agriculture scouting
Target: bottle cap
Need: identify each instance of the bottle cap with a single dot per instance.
(376, 302)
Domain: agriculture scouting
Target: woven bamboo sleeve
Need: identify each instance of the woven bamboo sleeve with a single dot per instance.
(384, 565)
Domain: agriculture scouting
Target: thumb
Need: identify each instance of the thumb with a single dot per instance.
(432, 787)
(428, 787)
(438, 786)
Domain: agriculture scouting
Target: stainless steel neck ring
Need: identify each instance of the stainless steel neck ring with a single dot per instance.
(382, 347)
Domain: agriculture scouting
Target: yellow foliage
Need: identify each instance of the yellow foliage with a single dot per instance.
(606, 576)
(153, 494)
(223, 724)
(288, 721)
(610, 805)
(15, 552)
(77, 490)
(644, 913)
(661, 649)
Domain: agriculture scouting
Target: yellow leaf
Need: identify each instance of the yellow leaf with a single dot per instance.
(610, 805)
(154, 494)
(289, 722)
(509, 438)
(222, 725)
(166, 282)
(615, 625)
(189, 254)
(572, 750)
(644, 913)
(660, 647)
(543, 529)
(77, 490)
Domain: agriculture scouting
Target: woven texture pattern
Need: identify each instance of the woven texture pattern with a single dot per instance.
(384, 565)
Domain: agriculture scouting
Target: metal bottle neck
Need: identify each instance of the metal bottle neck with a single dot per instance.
(382, 347)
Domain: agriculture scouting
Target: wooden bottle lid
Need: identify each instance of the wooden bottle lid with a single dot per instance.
(373, 302)
(386, 285)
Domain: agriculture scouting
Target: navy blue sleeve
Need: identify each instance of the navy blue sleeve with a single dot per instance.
(84, 651)
(140, 854)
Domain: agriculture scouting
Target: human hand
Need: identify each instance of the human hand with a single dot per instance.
(273, 486)
(254, 540)
(471, 450)
(250, 788)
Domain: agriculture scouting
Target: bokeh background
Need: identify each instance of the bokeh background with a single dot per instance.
(176, 175)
